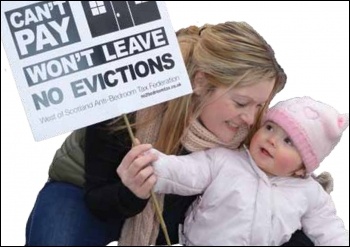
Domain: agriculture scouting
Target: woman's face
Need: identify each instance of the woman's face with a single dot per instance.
(226, 110)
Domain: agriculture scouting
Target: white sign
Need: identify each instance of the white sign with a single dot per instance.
(77, 63)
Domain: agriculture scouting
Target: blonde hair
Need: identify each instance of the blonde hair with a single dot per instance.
(231, 54)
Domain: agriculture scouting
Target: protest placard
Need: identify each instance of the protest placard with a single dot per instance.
(77, 63)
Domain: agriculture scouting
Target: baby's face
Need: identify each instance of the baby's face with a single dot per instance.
(273, 151)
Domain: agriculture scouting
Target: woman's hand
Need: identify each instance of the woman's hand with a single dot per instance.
(136, 171)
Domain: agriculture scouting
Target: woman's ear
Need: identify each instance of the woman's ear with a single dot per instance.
(199, 83)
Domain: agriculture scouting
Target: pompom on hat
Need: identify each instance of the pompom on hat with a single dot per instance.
(314, 127)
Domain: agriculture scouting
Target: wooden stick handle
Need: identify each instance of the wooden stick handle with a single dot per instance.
(153, 196)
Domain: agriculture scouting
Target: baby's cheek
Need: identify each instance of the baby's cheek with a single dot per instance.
(287, 164)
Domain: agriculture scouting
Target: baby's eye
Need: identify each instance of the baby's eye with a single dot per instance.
(269, 127)
(288, 141)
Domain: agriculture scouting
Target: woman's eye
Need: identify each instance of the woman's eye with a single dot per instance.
(240, 104)
(260, 106)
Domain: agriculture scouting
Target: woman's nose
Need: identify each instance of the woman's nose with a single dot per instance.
(249, 116)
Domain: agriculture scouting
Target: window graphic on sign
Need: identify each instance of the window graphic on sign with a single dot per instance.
(97, 7)
(124, 13)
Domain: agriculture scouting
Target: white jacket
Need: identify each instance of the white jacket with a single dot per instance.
(241, 205)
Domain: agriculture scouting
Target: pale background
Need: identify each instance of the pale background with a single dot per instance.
(311, 42)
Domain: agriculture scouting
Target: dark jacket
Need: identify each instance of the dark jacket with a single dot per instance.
(89, 157)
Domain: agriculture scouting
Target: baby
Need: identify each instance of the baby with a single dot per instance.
(261, 196)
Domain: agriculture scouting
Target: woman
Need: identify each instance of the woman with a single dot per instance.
(227, 64)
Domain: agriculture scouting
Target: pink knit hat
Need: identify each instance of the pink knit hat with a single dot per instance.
(314, 127)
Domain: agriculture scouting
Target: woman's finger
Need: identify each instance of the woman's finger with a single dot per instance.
(133, 154)
(140, 163)
(144, 191)
(136, 142)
